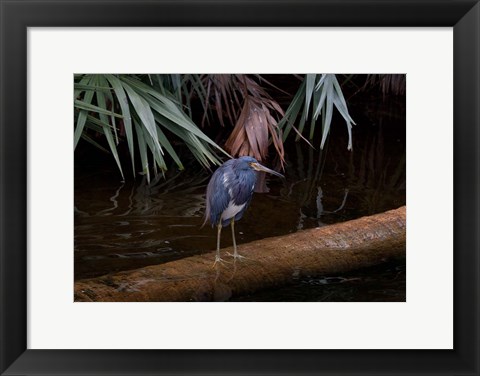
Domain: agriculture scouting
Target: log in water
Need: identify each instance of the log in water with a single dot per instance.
(270, 262)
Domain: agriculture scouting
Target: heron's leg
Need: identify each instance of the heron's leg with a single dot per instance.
(235, 253)
(217, 256)
(232, 224)
(219, 232)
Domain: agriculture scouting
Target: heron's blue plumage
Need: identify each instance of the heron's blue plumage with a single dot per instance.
(229, 193)
(231, 184)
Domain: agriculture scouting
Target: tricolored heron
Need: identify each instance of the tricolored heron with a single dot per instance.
(229, 193)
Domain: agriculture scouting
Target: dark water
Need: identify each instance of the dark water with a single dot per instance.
(122, 226)
(381, 283)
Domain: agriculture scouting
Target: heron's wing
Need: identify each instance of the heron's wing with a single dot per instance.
(217, 198)
(242, 189)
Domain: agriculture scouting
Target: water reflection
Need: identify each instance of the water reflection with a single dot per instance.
(121, 226)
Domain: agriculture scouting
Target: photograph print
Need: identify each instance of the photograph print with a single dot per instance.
(240, 187)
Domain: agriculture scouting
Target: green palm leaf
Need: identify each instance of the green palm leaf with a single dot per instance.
(103, 103)
(323, 93)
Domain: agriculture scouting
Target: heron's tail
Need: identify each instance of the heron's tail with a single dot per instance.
(206, 215)
(205, 220)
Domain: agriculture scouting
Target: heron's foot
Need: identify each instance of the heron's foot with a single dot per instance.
(219, 261)
(237, 256)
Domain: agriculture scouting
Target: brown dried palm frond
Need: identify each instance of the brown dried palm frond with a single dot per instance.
(250, 135)
(256, 123)
(223, 96)
(224, 93)
(241, 101)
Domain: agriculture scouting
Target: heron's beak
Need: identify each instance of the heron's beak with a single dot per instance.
(259, 167)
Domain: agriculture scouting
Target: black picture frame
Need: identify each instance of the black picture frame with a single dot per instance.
(18, 15)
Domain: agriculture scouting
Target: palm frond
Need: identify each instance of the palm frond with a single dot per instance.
(388, 83)
(256, 127)
(318, 95)
(116, 105)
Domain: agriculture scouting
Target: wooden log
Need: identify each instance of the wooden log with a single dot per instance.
(271, 262)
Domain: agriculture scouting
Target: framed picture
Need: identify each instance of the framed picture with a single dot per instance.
(426, 324)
